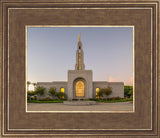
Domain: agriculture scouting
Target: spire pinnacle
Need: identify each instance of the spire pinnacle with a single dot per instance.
(79, 37)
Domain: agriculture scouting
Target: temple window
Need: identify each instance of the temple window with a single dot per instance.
(97, 91)
(62, 90)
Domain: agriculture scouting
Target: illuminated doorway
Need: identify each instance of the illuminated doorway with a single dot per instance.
(79, 87)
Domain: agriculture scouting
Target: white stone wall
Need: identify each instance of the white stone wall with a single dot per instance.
(117, 88)
(90, 87)
(99, 84)
(47, 85)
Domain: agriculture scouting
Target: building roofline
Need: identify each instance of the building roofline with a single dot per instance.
(105, 82)
(116, 82)
(81, 70)
(54, 82)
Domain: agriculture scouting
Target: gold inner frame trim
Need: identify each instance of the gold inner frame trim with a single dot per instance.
(132, 26)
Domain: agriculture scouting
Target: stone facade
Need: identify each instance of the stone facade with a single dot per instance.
(85, 76)
(117, 88)
(90, 90)
(57, 84)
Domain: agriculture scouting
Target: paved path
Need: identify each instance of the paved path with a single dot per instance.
(119, 106)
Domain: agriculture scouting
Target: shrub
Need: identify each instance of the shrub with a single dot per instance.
(105, 91)
(46, 99)
(115, 98)
(118, 98)
(130, 93)
(127, 89)
(31, 98)
(40, 90)
(109, 99)
(52, 92)
(93, 99)
(100, 94)
(35, 97)
(30, 93)
(85, 99)
(60, 95)
(74, 99)
(64, 99)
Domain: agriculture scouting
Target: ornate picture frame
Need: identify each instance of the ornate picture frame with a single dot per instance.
(143, 15)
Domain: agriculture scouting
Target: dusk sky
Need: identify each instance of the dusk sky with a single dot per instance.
(108, 52)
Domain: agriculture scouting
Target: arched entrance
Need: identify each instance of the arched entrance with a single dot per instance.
(79, 89)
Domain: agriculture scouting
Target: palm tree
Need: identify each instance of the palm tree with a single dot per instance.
(28, 83)
(34, 84)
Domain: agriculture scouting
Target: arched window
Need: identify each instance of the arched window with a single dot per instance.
(62, 90)
(97, 91)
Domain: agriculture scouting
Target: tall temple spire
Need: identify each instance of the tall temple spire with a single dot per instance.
(80, 37)
(79, 56)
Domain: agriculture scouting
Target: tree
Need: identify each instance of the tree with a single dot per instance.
(127, 89)
(100, 94)
(40, 90)
(60, 95)
(28, 83)
(34, 84)
(105, 91)
(130, 93)
(30, 94)
(52, 92)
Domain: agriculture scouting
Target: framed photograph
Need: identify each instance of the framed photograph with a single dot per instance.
(103, 86)
(76, 69)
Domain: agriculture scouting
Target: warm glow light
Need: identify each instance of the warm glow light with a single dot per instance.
(80, 89)
(62, 89)
(97, 91)
(79, 61)
(131, 80)
(111, 79)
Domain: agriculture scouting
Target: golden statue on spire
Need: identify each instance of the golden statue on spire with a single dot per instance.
(80, 37)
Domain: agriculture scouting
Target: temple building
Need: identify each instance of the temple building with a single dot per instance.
(80, 82)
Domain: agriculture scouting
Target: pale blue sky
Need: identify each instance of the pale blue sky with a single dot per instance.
(108, 52)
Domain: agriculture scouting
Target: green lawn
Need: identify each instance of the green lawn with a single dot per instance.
(36, 101)
(61, 101)
(114, 101)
